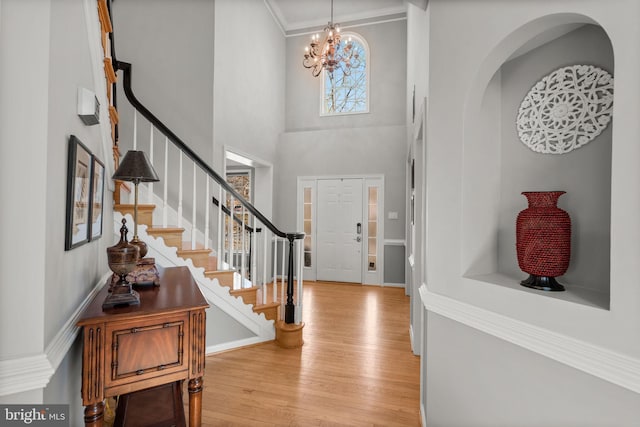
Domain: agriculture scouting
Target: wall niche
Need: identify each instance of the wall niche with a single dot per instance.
(498, 167)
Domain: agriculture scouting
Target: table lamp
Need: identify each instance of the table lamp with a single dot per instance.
(135, 167)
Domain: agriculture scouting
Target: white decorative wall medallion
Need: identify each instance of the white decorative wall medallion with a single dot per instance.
(566, 109)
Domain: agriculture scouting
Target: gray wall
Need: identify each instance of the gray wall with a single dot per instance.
(475, 379)
(43, 61)
(69, 275)
(372, 150)
(231, 331)
(394, 259)
(171, 48)
(472, 378)
(387, 62)
(371, 143)
(585, 173)
(249, 80)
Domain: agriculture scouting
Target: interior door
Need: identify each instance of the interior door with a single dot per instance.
(339, 230)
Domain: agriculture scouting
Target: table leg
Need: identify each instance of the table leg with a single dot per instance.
(195, 402)
(94, 414)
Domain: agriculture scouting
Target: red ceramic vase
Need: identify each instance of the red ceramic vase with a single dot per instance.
(543, 240)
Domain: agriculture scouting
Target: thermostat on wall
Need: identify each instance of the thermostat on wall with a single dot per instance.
(88, 107)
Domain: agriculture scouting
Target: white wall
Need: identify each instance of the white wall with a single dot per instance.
(469, 41)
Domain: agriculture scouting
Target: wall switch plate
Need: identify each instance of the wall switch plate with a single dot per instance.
(393, 215)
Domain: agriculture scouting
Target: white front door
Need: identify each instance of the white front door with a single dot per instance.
(339, 230)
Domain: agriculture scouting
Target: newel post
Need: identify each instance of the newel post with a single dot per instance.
(289, 308)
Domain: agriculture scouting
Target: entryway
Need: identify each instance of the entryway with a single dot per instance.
(339, 230)
(343, 222)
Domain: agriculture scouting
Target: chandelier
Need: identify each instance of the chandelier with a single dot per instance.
(328, 55)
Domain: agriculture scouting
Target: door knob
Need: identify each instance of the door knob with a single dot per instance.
(358, 239)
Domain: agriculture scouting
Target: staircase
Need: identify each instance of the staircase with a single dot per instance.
(232, 250)
(203, 258)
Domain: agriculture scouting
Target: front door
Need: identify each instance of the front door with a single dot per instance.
(339, 230)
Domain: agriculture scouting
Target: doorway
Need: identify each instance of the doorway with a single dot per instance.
(344, 228)
(339, 230)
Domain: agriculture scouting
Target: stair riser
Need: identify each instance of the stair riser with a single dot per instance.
(198, 259)
(248, 296)
(145, 213)
(271, 313)
(170, 239)
(225, 278)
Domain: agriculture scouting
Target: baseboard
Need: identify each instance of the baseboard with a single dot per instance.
(34, 372)
(601, 362)
(24, 374)
(235, 345)
(394, 285)
(413, 348)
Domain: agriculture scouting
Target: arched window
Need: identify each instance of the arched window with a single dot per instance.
(346, 89)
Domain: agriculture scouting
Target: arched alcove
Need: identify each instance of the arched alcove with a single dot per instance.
(498, 166)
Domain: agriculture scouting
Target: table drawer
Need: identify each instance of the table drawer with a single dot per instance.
(145, 349)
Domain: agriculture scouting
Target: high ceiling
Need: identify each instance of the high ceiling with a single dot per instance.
(295, 16)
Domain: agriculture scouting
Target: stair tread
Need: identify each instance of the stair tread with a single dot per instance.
(239, 291)
(168, 229)
(186, 246)
(141, 206)
(266, 305)
(213, 269)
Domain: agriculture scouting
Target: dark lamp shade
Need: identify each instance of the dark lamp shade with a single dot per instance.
(136, 167)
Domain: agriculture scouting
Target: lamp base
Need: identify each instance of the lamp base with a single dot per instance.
(141, 245)
(121, 294)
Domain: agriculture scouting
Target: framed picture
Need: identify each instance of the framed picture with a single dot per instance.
(97, 195)
(78, 194)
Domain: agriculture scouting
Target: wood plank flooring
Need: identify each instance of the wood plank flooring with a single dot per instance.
(356, 367)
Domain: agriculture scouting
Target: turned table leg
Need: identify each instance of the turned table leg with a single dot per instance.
(195, 402)
(94, 414)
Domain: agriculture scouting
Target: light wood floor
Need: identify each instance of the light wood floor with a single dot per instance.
(356, 367)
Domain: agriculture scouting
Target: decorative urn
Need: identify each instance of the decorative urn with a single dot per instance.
(543, 240)
(123, 258)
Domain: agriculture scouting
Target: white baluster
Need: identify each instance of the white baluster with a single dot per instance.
(230, 233)
(274, 238)
(255, 278)
(206, 214)
(265, 246)
(193, 210)
(299, 282)
(180, 192)
(150, 186)
(165, 207)
(243, 251)
(220, 229)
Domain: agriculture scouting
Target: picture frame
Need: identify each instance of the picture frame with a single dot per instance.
(97, 199)
(79, 167)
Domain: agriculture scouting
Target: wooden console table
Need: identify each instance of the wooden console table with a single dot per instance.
(162, 340)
